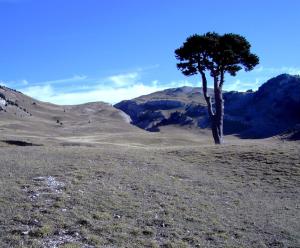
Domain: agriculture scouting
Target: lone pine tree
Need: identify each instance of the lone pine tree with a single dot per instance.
(215, 54)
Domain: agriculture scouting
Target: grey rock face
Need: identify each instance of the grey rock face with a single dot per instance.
(162, 104)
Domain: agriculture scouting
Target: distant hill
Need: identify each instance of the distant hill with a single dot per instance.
(24, 116)
(271, 110)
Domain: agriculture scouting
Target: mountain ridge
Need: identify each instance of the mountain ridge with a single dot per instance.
(271, 110)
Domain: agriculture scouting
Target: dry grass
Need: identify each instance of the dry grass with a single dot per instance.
(243, 194)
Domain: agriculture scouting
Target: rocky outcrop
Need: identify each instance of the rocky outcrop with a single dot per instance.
(273, 109)
(151, 114)
(162, 104)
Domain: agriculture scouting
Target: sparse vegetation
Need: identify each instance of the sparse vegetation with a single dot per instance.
(148, 197)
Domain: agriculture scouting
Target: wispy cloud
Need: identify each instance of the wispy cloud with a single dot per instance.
(252, 80)
(124, 79)
(19, 84)
(39, 92)
(123, 86)
(24, 82)
(111, 89)
(278, 70)
(241, 85)
(2, 83)
(73, 79)
(15, 83)
(108, 94)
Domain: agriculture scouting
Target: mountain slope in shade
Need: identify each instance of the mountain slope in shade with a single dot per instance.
(273, 109)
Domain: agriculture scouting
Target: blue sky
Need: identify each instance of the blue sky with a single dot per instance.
(75, 51)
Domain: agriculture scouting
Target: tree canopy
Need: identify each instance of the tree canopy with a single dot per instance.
(215, 53)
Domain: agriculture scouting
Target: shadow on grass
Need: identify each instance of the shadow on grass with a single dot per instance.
(19, 143)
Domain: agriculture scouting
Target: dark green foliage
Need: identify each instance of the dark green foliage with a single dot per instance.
(215, 53)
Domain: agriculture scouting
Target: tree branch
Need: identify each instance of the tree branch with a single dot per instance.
(216, 82)
(221, 79)
(206, 96)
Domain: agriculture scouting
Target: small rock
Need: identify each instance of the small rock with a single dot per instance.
(116, 216)
(25, 232)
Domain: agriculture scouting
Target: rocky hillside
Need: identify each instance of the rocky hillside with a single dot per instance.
(273, 109)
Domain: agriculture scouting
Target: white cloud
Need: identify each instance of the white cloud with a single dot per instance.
(39, 92)
(105, 94)
(124, 79)
(252, 80)
(292, 70)
(16, 83)
(112, 89)
(241, 85)
(24, 82)
(278, 70)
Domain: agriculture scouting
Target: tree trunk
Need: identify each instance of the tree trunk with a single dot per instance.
(219, 113)
(214, 129)
(216, 116)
